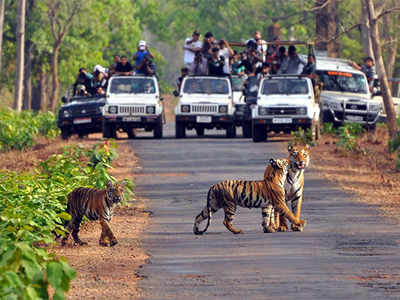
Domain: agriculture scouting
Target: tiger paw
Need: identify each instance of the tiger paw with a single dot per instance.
(81, 243)
(282, 228)
(269, 229)
(297, 228)
(113, 243)
(102, 243)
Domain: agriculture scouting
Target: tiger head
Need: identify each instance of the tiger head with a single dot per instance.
(276, 170)
(299, 156)
(115, 192)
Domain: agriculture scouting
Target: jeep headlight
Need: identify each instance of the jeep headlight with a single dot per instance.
(335, 105)
(67, 113)
(301, 111)
(263, 111)
(113, 109)
(375, 107)
(223, 109)
(185, 108)
(150, 110)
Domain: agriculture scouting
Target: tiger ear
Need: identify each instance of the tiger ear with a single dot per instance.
(109, 184)
(273, 163)
(290, 148)
(307, 146)
(123, 184)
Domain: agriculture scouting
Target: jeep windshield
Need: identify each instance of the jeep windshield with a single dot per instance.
(343, 82)
(206, 86)
(237, 83)
(282, 86)
(131, 85)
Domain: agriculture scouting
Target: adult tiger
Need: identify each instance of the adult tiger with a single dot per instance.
(95, 204)
(299, 158)
(230, 193)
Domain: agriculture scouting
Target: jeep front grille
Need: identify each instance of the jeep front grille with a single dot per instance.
(280, 111)
(132, 110)
(203, 108)
(354, 106)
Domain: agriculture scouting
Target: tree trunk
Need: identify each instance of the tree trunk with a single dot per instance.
(390, 41)
(326, 20)
(386, 92)
(20, 55)
(1, 28)
(28, 76)
(55, 82)
(365, 31)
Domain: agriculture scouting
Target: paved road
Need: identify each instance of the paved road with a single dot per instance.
(347, 250)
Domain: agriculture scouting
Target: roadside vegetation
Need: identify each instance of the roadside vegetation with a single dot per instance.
(361, 162)
(33, 202)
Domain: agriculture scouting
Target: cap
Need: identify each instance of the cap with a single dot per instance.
(196, 32)
(142, 44)
(208, 35)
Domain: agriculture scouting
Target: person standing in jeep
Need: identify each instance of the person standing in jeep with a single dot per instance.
(368, 68)
(191, 47)
(216, 63)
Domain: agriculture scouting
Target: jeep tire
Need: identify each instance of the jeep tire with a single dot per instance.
(180, 130)
(65, 134)
(131, 133)
(231, 131)
(246, 128)
(200, 131)
(259, 134)
(108, 131)
(158, 130)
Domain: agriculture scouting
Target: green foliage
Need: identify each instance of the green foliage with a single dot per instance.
(301, 137)
(348, 135)
(19, 130)
(328, 128)
(32, 209)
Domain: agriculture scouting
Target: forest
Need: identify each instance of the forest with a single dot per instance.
(59, 36)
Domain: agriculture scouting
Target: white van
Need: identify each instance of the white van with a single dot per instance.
(205, 102)
(345, 94)
(133, 102)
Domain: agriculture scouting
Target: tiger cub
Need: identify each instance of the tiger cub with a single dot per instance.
(230, 193)
(299, 159)
(95, 204)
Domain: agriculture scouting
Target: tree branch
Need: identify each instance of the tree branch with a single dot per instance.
(387, 11)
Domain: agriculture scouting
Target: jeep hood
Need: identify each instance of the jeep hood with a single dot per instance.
(132, 99)
(78, 103)
(285, 100)
(339, 96)
(206, 99)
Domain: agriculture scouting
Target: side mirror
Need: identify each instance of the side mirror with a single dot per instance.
(175, 93)
(64, 99)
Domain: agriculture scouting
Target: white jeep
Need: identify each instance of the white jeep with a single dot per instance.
(133, 102)
(205, 102)
(345, 94)
(285, 103)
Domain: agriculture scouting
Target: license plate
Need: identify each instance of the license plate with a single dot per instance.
(82, 120)
(282, 120)
(354, 118)
(131, 119)
(203, 119)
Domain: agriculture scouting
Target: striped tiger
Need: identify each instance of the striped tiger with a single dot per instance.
(299, 159)
(230, 193)
(95, 204)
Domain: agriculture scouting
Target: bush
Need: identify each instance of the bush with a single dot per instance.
(328, 128)
(32, 209)
(303, 137)
(19, 130)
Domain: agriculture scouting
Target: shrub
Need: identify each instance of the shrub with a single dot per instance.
(303, 137)
(32, 208)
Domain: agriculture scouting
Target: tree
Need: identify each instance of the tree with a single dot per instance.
(2, 7)
(373, 18)
(61, 15)
(326, 27)
(18, 93)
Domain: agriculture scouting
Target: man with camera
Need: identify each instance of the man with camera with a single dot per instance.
(85, 79)
(146, 67)
(216, 63)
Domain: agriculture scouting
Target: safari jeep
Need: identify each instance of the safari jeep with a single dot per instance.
(205, 102)
(345, 95)
(133, 102)
(285, 103)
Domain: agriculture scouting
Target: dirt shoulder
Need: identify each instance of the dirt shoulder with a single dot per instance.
(102, 272)
(370, 175)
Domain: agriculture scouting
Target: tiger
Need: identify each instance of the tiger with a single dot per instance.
(299, 159)
(258, 194)
(95, 204)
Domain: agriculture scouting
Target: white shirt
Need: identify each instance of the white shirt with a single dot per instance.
(260, 48)
(188, 56)
(225, 53)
